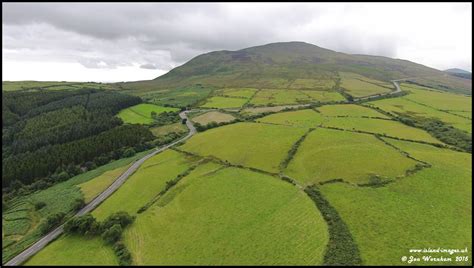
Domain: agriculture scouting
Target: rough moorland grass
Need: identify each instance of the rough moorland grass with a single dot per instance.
(167, 129)
(416, 212)
(58, 198)
(141, 113)
(357, 87)
(261, 146)
(230, 216)
(144, 184)
(405, 106)
(328, 154)
(237, 92)
(213, 116)
(224, 102)
(75, 250)
(90, 189)
(349, 110)
(302, 118)
(380, 126)
(279, 97)
(323, 96)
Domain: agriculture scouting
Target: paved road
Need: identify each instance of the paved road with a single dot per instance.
(40, 244)
(397, 90)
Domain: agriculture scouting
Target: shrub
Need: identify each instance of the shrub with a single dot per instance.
(121, 218)
(112, 234)
(51, 222)
(39, 205)
(83, 225)
(78, 204)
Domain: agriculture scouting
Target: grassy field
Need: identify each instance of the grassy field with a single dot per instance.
(90, 189)
(229, 216)
(224, 102)
(405, 106)
(315, 84)
(380, 126)
(328, 154)
(358, 86)
(51, 85)
(415, 212)
(302, 118)
(279, 97)
(261, 146)
(177, 97)
(212, 116)
(323, 96)
(438, 99)
(75, 250)
(141, 113)
(259, 110)
(351, 110)
(144, 184)
(166, 129)
(58, 198)
(237, 92)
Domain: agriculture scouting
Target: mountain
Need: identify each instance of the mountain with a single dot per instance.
(276, 65)
(459, 73)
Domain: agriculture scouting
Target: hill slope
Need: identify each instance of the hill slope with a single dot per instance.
(459, 73)
(277, 65)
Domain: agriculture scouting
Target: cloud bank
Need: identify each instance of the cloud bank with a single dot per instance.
(134, 41)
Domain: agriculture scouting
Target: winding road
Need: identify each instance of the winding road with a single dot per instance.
(40, 244)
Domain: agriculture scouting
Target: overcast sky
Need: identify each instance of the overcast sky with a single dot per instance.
(126, 42)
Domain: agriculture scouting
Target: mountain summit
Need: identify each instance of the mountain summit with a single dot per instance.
(275, 65)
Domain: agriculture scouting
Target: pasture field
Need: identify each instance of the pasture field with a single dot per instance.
(144, 184)
(323, 96)
(380, 126)
(58, 198)
(405, 106)
(141, 113)
(229, 216)
(246, 93)
(261, 146)
(307, 118)
(75, 250)
(166, 129)
(278, 97)
(439, 100)
(357, 87)
(351, 110)
(224, 102)
(416, 212)
(314, 84)
(467, 114)
(92, 188)
(52, 85)
(259, 110)
(212, 116)
(21, 85)
(328, 154)
(179, 97)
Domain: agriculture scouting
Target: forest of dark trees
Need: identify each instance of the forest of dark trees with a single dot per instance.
(56, 134)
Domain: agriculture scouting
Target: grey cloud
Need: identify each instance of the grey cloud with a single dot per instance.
(103, 35)
(149, 66)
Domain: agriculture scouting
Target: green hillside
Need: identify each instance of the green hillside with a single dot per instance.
(279, 65)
